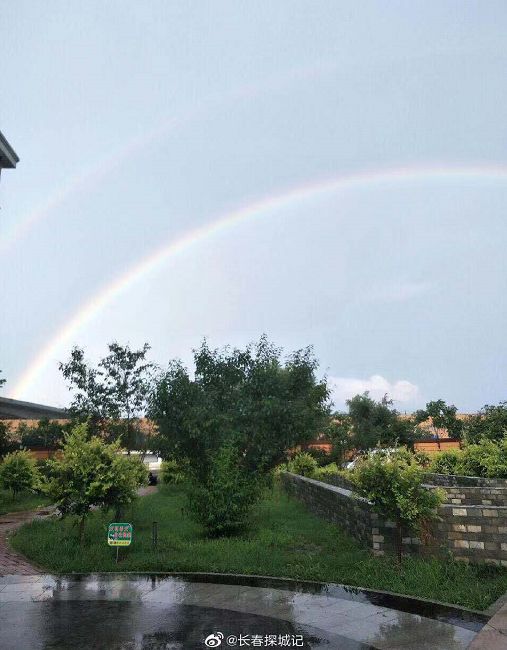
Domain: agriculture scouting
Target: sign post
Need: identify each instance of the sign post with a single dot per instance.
(119, 534)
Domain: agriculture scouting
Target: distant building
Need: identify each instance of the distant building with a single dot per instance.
(8, 157)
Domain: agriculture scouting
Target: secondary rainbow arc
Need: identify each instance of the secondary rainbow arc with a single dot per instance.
(259, 209)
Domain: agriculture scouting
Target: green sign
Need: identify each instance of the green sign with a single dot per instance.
(120, 534)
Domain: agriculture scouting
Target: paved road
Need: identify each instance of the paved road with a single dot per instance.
(124, 611)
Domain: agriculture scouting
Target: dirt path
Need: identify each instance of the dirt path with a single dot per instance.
(149, 489)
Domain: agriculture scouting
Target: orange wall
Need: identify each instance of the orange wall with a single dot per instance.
(43, 454)
(432, 446)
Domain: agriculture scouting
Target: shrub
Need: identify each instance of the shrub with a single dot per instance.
(473, 459)
(321, 456)
(223, 504)
(92, 473)
(446, 462)
(488, 459)
(18, 472)
(327, 470)
(402, 454)
(422, 458)
(172, 473)
(280, 469)
(394, 488)
(303, 464)
(496, 460)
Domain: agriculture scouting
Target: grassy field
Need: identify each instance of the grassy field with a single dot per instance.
(24, 501)
(284, 541)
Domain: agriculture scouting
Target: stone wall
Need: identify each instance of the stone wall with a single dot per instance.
(464, 481)
(474, 496)
(472, 533)
(335, 504)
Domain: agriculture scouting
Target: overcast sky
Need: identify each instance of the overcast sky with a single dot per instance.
(137, 122)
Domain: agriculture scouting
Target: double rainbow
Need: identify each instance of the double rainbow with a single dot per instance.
(259, 210)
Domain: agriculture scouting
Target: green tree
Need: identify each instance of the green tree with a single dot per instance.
(6, 442)
(489, 423)
(91, 473)
(245, 407)
(47, 434)
(18, 472)
(339, 432)
(375, 423)
(114, 394)
(393, 486)
(2, 381)
(443, 416)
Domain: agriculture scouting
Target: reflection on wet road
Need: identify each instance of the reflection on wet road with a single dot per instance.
(128, 611)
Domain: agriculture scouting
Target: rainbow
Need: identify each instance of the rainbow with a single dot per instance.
(261, 209)
(92, 175)
(95, 173)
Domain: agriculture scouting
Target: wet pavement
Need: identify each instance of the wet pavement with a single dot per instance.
(127, 611)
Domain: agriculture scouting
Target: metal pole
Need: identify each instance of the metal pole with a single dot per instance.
(117, 551)
(154, 534)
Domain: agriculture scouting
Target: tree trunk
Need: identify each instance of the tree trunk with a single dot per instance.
(399, 542)
(81, 529)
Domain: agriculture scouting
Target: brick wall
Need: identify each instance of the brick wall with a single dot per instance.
(472, 533)
(465, 481)
(474, 496)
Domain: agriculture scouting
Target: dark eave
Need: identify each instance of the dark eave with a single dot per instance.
(8, 157)
(15, 409)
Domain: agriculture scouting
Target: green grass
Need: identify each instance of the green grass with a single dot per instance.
(23, 501)
(284, 541)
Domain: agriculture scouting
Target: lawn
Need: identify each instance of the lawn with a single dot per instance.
(23, 501)
(284, 541)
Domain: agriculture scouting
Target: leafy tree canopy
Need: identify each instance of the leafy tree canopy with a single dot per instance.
(113, 394)
(249, 398)
(443, 416)
(489, 423)
(47, 434)
(339, 432)
(375, 423)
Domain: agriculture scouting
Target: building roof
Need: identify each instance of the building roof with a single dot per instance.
(8, 157)
(15, 409)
